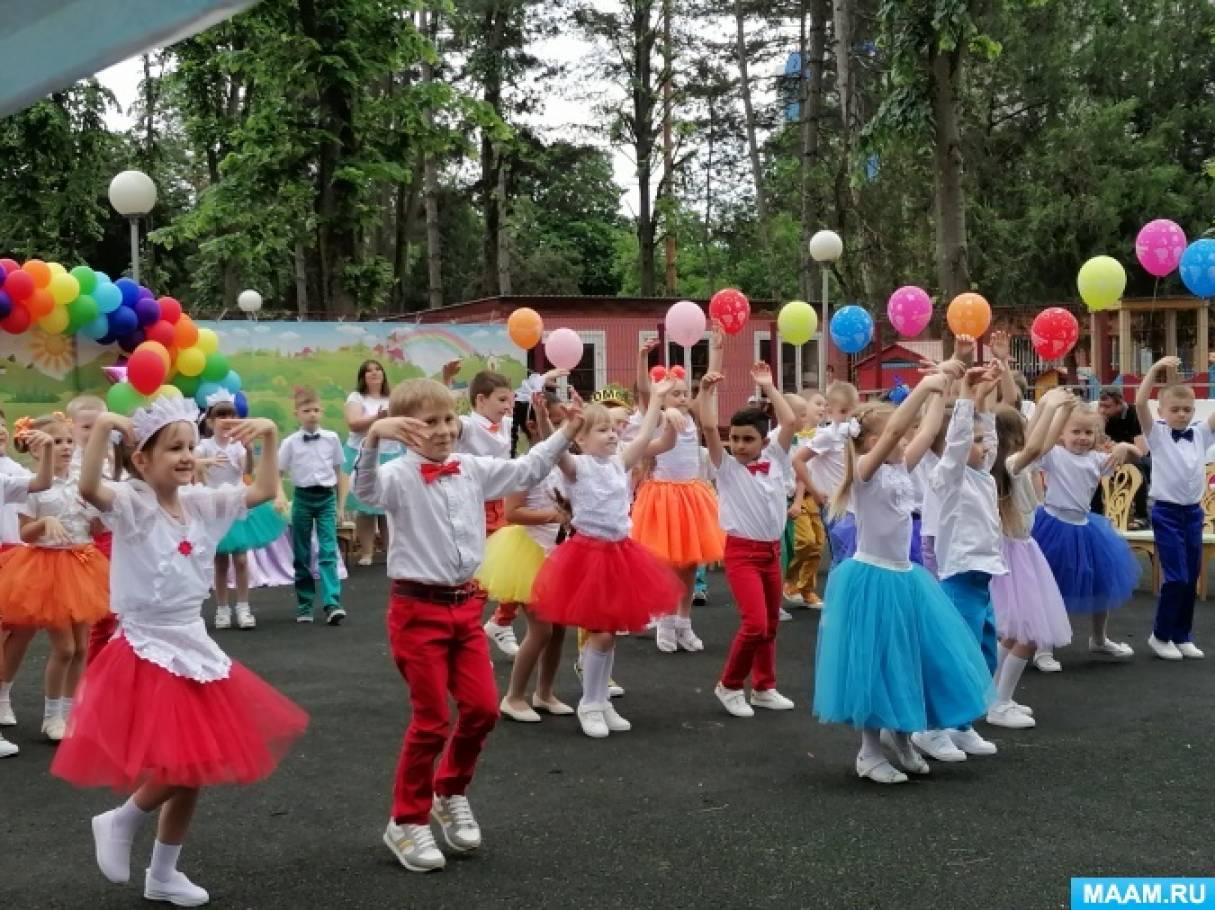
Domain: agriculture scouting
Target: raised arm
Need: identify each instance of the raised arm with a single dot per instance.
(761, 374)
(265, 484)
(41, 446)
(96, 455)
(930, 426)
(643, 371)
(1001, 351)
(636, 450)
(717, 348)
(898, 425)
(1046, 427)
(1143, 397)
(708, 391)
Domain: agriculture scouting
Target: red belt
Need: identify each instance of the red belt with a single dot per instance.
(447, 595)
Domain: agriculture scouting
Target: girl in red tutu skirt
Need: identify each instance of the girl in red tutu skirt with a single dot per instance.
(163, 711)
(601, 579)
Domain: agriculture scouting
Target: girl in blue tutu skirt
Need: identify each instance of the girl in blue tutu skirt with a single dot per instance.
(893, 653)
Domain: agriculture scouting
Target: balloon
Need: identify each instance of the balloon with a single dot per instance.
(82, 311)
(563, 348)
(1197, 268)
(797, 322)
(185, 333)
(64, 289)
(10, 265)
(146, 370)
(19, 284)
(242, 405)
(1159, 246)
(56, 269)
(131, 341)
(108, 297)
(123, 399)
(161, 332)
(968, 314)
(55, 322)
(40, 303)
(17, 321)
(205, 391)
(1101, 282)
(216, 368)
(85, 277)
(159, 350)
(901, 390)
(685, 323)
(231, 382)
(191, 361)
(188, 384)
(3, 275)
(1054, 333)
(148, 311)
(208, 341)
(851, 329)
(129, 290)
(6, 305)
(166, 391)
(146, 292)
(525, 327)
(731, 309)
(122, 320)
(170, 310)
(909, 310)
(102, 277)
(97, 329)
(39, 271)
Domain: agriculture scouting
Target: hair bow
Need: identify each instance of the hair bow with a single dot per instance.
(22, 427)
(854, 427)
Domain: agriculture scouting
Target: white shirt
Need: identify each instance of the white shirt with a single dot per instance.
(681, 463)
(372, 405)
(543, 497)
(437, 529)
(230, 471)
(14, 488)
(752, 505)
(311, 464)
(162, 570)
(62, 501)
(827, 466)
(1178, 466)
(969, 535)
(1024, 495)
(1071, 481)
(476, 437)
(599, 496)
(1028, 409)
(883, 517)
(930, 506)
(531, 385)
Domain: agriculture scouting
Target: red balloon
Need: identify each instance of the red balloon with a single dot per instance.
(1054, 333)
(161, 331)
(10, 265)
(146, 371)
(731, 309)
(170, 310)
(19, 284)
(17, 321)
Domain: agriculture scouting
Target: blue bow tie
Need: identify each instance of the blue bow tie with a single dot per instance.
(311, 437)
(1186, 434)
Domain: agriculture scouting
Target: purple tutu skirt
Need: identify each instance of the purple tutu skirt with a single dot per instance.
(1028, 605)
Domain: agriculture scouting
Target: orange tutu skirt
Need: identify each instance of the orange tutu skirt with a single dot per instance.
(49, 588)
(677, 522)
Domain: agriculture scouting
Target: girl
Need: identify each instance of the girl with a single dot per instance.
(1094, 568)
(163, 711)
(1029, 608)
(225, 462)
(363, 408)
(60, 582)
(602, 579)
(892, 650)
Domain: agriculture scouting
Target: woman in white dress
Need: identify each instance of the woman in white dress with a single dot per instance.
(363, 408)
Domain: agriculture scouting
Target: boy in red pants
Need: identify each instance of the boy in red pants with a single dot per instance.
(434, 501)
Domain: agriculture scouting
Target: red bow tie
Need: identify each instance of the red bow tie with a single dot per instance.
(432, 472)
(494, 428)
(760, 467)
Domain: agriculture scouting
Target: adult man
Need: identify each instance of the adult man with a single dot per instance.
(1122, 425)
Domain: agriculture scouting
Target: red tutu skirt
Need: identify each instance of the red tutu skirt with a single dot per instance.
(604, 585)
(135, 722)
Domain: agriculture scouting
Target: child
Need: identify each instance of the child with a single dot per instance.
(60, 582)
(163, 711)
(825, 458)
(809, 534)
(435, 505)
(312, 457)
(1029, 609)
(225, 462)
(892, 650)
(10, 526)
(751, 493)
(1178, 445)
(1094, 568)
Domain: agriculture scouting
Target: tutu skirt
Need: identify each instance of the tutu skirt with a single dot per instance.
(352, 501)
(262, 526)
(1028, 605)
(677, 522)
(604, 586)
(1093, 566)
(49, 588)
(893, 652)
(134, 722)
(511, 562)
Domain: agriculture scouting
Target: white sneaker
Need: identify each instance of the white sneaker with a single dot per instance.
(592, 721)
(1165, 650)
(1024, 709)
(244, 617)
(796, 599)
(414, 847)
(456, 821)
(878, 770)
(178, 890)
(784, 615)
(734, 701)
(904, 753)
(970, 742)
(113, 854)
(7, 748)
(304, 617)
(615, 723)
(55, 728)
(665, 637)
(503, 637)
(1046, 663)
(937, 745)
(686, 638)
(615, 690)
(1190, 650)
(770, 699)
(1113, 648)
(1005, 714)
(223, 617)
(7, 717)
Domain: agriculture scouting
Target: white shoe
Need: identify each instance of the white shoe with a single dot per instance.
(414, 847)
(770, 699)
(1113, 648)
(784, 615)
(503, 637)
(734, 701)
(55, 728)
(905, 753)
(1190, 650)
(592, 721)
(459, 827)
(686, 638)
(615, 690)
(1024, 709)
(553, 706)
(304, 617)
(113, 854)
(524, 715)
(178, 890)
(796, 599)
(970, 742)
(937, 745)
(1046, 663)
(244, 617)
(1005, 714)
(699, 598)
(7, 748)
(223, 617)
(1165, 650)
(665, 637)
(615, 723)
(879, 770)
(7, 717)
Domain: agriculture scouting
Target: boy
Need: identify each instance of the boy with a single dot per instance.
(1178, 445)
(809, 534)
(312, 456)
(435, 505)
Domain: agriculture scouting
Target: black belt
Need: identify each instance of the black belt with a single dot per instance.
(447, 595)
(316, 489)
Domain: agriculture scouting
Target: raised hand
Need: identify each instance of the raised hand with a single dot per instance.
(54, 531)
(38, 443)
(1000, 346)
(647, 346)
(556, 373)
(450, 369)
(937, 383)
(761, 373)
(677, 420)
(710, 381)
(246, 431)
(662, 387)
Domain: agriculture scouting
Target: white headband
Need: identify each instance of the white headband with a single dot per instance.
(854, 427)
(159, 414)
(220, 396)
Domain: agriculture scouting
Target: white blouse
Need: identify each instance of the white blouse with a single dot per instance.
(883, 517)
(827, 466)
(62, 501)
(15, 480)
(930, 507)
(543, 497)
(231, 468)
(752, 505)
(599, 495)
(1071, 481)
(1024, 496)
(681, 463)
(371, 405)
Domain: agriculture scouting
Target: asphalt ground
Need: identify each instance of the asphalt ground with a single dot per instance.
(693, 808)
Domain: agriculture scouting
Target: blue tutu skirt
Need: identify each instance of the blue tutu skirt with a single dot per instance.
(1092, 565)
(261, 527)
(352, 501)
(894, 653)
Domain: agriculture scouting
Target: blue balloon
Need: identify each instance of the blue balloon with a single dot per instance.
(231, 382)
(108, 297)
(132, 340)
(851, 329)
(3, 275)
(242, 405)
(98, 328)
(1197, 267)
(6, 302)
(205, 391)
(123, 320)
(106, 339)
(129, 289)
(102, 277)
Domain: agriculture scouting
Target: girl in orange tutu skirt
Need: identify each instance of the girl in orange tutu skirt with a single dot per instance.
(600, 578)
(162, 710)
(60, 582)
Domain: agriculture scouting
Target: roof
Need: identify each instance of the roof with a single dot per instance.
(501, 307)
(914, 351)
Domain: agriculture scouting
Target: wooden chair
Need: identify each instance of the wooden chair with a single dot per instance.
(345, 538)
(1119, 493)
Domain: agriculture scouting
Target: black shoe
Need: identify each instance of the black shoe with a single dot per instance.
(699, 598)
(334, 615)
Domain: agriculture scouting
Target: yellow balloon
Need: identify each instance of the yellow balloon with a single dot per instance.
(797, 322)
(166, 391)
(64, 288)
(191, 361)
(208, 341)
(56, 269)
(1101, 282)
(55, 321)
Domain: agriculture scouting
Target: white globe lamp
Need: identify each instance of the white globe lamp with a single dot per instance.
(132, 193)
(249, 301)
(825, 247)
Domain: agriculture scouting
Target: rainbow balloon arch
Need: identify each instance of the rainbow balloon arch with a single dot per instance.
(166, 353)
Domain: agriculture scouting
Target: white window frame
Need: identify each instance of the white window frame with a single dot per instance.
(645, 335)
(598, 338)
(798, 360)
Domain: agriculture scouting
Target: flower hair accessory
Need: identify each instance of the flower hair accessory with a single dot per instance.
(22, 427)
(149, 420)
(853, 426)
(220, 396)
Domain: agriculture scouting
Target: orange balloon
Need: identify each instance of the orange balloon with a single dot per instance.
(156, 348)
(968, 314)
(40, 303)
(185, 333)
(525, 327)
(39, 271)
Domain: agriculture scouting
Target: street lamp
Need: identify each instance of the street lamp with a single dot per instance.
(249, 301)
(132, 193)
(825, 247)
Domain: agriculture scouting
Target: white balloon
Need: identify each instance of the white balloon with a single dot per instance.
(249, 301)
(826, 246)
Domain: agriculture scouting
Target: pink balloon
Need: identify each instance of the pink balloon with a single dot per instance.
(685, 323)
(1159, 246)
(563, 348)
(910, 310)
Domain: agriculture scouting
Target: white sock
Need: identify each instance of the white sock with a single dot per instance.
(5, 689)
(1001, 655)
(164, 860)
(596, 665)
(871, 744)
(50, 708)
(128, 819)
(65, 707)
(1013, 668)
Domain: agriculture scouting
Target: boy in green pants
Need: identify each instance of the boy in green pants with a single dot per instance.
(312, 457)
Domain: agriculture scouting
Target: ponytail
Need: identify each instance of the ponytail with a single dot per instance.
(839, 502)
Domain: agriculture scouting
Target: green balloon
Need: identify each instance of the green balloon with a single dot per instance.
(85, 277)
(81, 312)
(216, 368)
(123, 399)
(188, 384)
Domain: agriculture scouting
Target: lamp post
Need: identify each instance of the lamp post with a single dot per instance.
(133, 194)
(825, 247)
